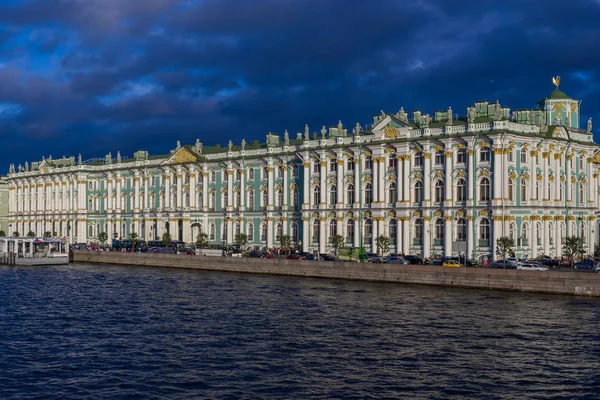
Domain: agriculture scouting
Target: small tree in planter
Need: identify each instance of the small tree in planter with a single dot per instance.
(573, 246)
(47, 234)
(166, 238)
(2, 234)
(241, 239)
(383, 245)
(31, 234)
(133, 237)
(337, 242)
(505, 245)
(16, 234)
(286, 242)
(102, 237)
(202, 240)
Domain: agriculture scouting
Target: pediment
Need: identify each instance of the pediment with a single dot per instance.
(390, 127)
(181, 155)
(560, 132)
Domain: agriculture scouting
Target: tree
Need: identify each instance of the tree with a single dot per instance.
(202, 240)
(285, 241)
(133, 236)
(47, 234)
(241, 239)
(383, 245)
(573, 246)
(337, 242)
(103, 237)
(16, 234)
(166, 238)
(505, 245)
(2, 234)
(31, 234)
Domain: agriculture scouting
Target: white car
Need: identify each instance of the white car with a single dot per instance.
(530, 267)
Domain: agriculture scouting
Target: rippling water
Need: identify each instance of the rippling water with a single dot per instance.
(94, 332)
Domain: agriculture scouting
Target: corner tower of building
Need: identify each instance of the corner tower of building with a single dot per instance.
(561, 109)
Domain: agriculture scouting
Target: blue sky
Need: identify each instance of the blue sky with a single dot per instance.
(97, 76)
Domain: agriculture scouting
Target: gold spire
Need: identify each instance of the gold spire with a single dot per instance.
(556, 81)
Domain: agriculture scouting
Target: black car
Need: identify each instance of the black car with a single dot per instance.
(256, 254)
(326, 257)
(549, 262)
(413, 259)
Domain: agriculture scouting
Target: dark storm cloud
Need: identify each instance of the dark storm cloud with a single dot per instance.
(132, 74)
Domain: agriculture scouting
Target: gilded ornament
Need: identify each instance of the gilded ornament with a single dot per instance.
(391, 132)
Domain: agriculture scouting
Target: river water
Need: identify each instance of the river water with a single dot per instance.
(116, 332)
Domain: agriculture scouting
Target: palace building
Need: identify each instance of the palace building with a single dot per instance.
(432, 183)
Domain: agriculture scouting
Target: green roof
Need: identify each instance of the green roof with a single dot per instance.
(558, 94)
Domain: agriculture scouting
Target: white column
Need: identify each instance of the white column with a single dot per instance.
(380, 182)
(470, 237)
(118, 183)
(470, 179)
(323, 184)
(426, 237)
(270, 186)
(406, 236)
(306, 188)
(136, 181)
(179, 176)
(193, 192)
(448, 179)
(546, 230)
(400, 182)
(242, 190)
(322, 235)
(340, 184)
(448, 235)
(357, 182)
(406, 180)
(497, 176)
(285, 188)
(427, 180)
(167, 189)
(270, 233)
(496, 233)
(205, 191)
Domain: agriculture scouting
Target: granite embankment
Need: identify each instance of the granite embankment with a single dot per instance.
(573, 283)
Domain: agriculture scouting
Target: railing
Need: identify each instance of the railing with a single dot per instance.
(417, 242)
(314, 239)
(484, 243)
(438, 242)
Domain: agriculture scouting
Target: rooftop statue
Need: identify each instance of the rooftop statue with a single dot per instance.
(589, 125)
(79, 160)
(198, 146)
(178, 144)
(472, 114)
(230, 145)
(402, 116)
(449, 115)
(306, 132)
(286, 137)
(531, 117)
(340, 127)
(243, 144)
(323, 131)
(497, 111)
(357, 128)
(26, 166)
(118, 156)
(543, 124)
(426, 119)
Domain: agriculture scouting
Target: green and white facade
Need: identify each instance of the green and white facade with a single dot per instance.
(431, 183)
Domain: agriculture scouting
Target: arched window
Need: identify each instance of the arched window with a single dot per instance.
(350, 229)
(280, 172)
(264, 197)
(350, 194)
(461, 156)
(238, 198)
(316, 196)
(263, 232)
(295, 198)
(439, 157)
(316, 230)
(439, 229)
(238, 175)
(418, 192)
(213, 201)
(250, 173)
(224, 233)
(551, 233)
(484, 154)
(523, 190)
(484, 231)
(294, 171)
(581, 194)
(461, 190)
(90, 230)
(238, 229)
(294, 232)
(439, 192)
(538, 233)
(561, 192)
(225, 198)
(332, 228)
(511, 189)
(251, 200)
(265, 173)
(525, 234)
(393, 231)
(279, 198)
(368, 193)
(418, 232)
(484, 190)
(213, 176)
(187, 199)
(392, 193)
(250, 232)
(512, 231)
(278, 232)
(368, 228)
(461, 229)
(332, 195)
(212, 231)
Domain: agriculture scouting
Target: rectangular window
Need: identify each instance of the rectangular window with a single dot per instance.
(510, 156)
(523, 156)
(392, 162)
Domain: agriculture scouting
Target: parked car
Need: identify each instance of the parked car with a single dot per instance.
(266, 254)
(326, 257)
(451, 264)
(504, 264)
(295, 257)
(394, 259)
(531, 267)
(375, 258)
(255, 254)
(587, 264)
(412, 259)
(548, 262)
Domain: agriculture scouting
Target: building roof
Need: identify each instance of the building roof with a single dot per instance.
(558, 94)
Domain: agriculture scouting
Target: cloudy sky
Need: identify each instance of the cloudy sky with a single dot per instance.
(93, 76)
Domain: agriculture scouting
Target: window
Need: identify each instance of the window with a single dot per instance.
(295, 198)
(280, 172)
(332, 165)
(264, 197)
(368, 228)
(537, 190)
(484, 190)
(238, 198)
(393, 231)
(212, 231)
(439, 192)
(461, 229)
(484, 154)
(238, 175)
(461, 156)
(278, 232)
(279, 198)
(523, 190)
(225, 199)
(294, 232)
(523, 156)
(294, 171)
(484, 229)
(368, 162)
(350, 164)
(213, 176)
(332, 195)
(316, 196)
(511, 189)
(392, 161)
(368, 193)
(238, 230)
(332, 228)
(91, 185)
(539, 233)
(512, 232)
(350, 229)
(510, 155)
(461, 190)
(418, 231)
(418, 160)
(581, 194)
(350, 194)
(250, 173)
(418, 192)
(187, 199)
(263, 232)
(250, 233)
(315, 167)
(251, 200)
(438, 229)
(392, 193)
(212, 201)
(265, 173)
(90, 204)
(439, 157)
(316, 230)
(90, 231)
(561, 192)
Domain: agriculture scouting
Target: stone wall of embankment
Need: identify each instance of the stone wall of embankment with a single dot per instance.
(574, 283)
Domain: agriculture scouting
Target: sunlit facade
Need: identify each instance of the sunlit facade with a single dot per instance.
(432, 184)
